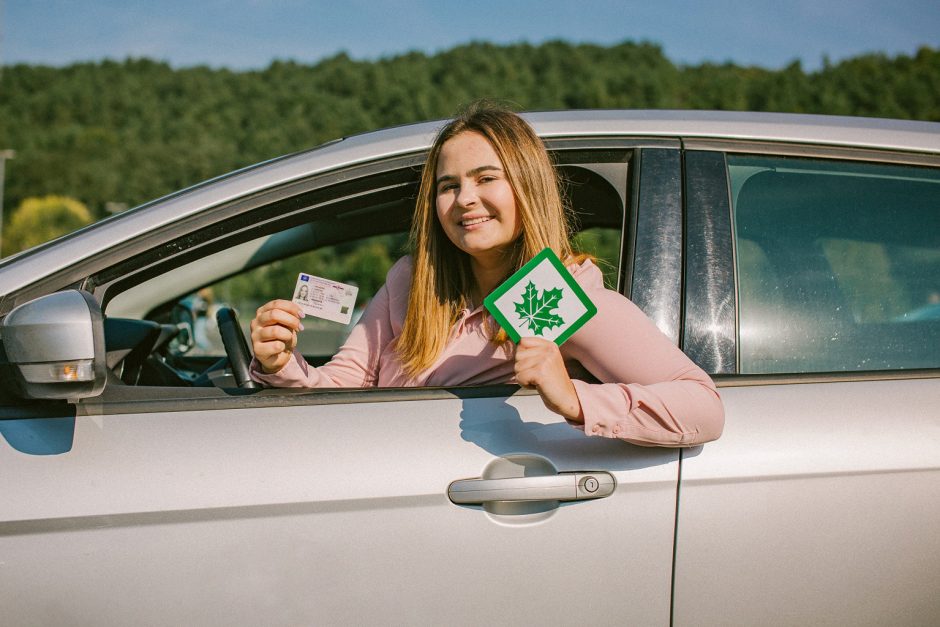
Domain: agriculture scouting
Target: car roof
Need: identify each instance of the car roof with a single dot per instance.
(836, 131)
(856, 132)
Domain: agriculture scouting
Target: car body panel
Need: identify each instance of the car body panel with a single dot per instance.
(328, 513)
(818, 505)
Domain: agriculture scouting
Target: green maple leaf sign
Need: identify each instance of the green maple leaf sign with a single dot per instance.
(535, 311)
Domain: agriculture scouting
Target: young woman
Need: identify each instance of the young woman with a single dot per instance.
(488, 202)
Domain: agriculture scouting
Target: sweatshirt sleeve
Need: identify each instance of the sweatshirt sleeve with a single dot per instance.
(650, 393)
(356, 364)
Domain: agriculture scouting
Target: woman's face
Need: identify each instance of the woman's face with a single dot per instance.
(475, 202)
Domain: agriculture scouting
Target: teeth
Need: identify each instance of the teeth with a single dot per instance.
(474, 221)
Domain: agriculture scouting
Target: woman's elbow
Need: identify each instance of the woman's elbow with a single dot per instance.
(711, 421)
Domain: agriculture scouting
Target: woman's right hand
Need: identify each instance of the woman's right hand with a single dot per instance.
(274, 333)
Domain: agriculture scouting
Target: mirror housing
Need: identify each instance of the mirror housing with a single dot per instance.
(55, 345)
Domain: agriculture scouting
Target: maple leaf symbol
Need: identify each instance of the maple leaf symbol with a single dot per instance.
(535, 311)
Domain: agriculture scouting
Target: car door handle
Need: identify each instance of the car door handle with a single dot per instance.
(574, 486)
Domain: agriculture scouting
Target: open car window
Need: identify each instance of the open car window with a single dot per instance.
(361, 262)
(352, 235)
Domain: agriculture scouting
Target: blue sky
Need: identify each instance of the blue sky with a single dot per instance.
(251, 33)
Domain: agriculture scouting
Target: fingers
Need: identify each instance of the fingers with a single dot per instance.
(283, 312)
(274, 333)
(539, 365)
(533, 357)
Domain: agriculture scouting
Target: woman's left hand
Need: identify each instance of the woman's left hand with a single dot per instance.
(539, 365)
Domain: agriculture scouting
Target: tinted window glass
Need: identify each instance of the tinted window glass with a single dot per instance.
(838, 265)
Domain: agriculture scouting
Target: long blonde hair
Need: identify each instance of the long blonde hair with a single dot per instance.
(441, 278)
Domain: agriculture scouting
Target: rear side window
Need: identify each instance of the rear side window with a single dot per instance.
(838, 265)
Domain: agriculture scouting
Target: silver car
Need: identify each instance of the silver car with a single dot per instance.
(795, 258)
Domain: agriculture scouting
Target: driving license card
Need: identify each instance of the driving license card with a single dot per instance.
(325, 299)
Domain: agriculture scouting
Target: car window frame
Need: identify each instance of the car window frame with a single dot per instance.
(158, 251)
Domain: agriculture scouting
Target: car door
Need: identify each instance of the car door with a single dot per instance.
(812, 276)
(162, 504)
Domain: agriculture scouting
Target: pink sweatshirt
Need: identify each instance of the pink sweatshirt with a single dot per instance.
(637, 386)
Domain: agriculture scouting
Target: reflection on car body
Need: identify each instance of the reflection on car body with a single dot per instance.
(792, 257)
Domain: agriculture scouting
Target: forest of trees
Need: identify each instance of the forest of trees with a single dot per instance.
(112, 135)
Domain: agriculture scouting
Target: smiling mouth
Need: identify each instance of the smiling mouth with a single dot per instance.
(473, 221)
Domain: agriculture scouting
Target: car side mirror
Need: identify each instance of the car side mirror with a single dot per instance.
(55, 345)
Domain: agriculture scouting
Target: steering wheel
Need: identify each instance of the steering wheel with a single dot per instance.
(236, 347)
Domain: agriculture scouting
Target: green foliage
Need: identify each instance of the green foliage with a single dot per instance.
(39, 220)
(603, 244)
(129, 132)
